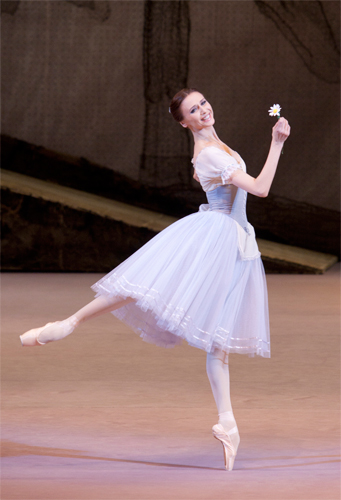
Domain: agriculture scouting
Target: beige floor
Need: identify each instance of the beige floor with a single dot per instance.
(103, 415)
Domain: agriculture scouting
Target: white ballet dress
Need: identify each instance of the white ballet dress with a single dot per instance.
(201, 279)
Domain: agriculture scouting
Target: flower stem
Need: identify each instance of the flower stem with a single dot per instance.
(278, 117)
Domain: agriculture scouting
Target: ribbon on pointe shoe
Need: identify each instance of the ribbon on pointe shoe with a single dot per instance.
(224, 437)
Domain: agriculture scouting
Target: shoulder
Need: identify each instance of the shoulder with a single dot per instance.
(209, 152)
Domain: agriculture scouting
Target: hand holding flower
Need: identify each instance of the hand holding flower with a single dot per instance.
(281, 131)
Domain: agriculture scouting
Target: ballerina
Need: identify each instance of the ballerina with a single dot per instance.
(201, 279)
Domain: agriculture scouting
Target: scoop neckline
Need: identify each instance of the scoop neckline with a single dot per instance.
(216, 147)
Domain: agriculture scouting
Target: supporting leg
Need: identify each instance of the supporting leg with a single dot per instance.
(219, 376)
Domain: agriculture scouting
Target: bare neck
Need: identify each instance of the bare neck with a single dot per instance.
(205, 136)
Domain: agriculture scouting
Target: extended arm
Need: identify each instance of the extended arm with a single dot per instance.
(260, 185)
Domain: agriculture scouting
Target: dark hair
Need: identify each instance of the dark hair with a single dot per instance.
(174, 107)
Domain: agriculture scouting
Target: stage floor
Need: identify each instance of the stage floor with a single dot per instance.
(103, 415)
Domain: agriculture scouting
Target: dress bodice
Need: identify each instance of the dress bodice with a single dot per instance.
(221, 198)
(230, 200)
(214, 168)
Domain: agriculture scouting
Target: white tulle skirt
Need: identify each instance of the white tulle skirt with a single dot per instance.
(192, 282)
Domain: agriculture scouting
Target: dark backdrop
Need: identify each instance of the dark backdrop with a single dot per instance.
(92, 79)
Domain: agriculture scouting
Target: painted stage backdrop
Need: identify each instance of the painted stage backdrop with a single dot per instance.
(93, 80)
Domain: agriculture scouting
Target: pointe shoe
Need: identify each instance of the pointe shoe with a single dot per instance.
(229, 451)
(56, 331)
(30, 338)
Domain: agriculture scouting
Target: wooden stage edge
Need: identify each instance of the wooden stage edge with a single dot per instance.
(275, 254)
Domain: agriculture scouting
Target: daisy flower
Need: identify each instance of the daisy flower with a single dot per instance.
(275, 110)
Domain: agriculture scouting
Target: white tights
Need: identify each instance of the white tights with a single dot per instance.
(100, 305)
(218, 373)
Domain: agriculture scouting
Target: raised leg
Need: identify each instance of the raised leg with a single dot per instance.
(60, 329)
(99, 306)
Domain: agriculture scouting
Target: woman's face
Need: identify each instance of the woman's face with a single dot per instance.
(197, 112)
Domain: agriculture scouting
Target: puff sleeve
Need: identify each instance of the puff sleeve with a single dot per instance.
(215, 167)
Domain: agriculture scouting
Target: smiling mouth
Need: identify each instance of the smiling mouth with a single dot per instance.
(206, 118)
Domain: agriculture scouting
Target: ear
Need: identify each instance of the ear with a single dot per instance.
(183, 125)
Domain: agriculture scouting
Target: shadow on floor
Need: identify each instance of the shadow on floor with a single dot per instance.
(12, 449)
